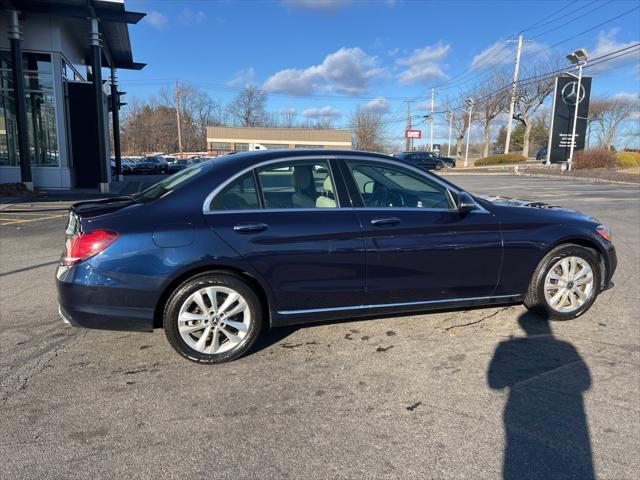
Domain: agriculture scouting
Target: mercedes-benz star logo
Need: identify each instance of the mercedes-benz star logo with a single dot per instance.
(570, 93)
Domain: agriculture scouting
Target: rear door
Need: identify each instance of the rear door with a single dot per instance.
(419, 248)
(292, 221)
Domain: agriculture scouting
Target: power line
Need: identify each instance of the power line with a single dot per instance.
(573, 19)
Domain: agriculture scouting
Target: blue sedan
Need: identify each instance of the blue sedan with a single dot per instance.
(224, 249)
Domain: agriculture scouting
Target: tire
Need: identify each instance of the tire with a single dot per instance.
(185, 325)
(564, 266)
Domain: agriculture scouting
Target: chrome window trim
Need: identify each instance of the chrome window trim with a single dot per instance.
(391, 305)
(219, 188)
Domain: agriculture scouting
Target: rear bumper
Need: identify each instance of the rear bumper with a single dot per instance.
(99, 306)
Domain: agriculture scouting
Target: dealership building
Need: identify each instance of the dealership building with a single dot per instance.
(55, 102)
(221, 140)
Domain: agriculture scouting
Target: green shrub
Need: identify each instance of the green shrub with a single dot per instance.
(500, 159)
(594, 158)
(628, 159)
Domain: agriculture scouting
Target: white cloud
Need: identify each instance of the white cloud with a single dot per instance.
(422, 65)
(348, 70)
(325, 113)
(631, 97)
(320, 5)
(330, 6)
(605, 44)
(497, 54)
(377, 105)
(156, 19)
(189, 17)
(393, 52)
(242, 77)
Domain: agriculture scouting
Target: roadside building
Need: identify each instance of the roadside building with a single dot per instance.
(221, 140)
(54, 100)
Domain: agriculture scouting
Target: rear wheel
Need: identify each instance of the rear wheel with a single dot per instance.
(565, 284)
(213, 318)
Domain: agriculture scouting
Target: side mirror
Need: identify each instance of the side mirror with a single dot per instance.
(466, 203)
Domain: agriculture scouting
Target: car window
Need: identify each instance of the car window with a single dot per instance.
(395, 187)
(306, 184)
(241, 194)
(167, 185)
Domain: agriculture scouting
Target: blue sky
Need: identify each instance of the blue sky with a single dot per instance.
(326, 57)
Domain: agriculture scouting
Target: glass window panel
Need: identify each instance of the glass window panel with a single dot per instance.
(239, 195)
(298, 185)
(395, 187)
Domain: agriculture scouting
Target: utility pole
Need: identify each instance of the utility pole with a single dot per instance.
(433, 96)
(513, 94)
(178, 118)
(408, 143)
(450, 117)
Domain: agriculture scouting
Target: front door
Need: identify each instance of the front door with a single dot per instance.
(286, 220)
(419, 248)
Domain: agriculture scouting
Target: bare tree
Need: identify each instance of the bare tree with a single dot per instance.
(493, 99)
(530, 96)
(151, 125)
(288, 117)
(368, 131)
(608, 113)
(248, 108)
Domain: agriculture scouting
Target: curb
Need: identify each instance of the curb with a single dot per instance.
(542, 175)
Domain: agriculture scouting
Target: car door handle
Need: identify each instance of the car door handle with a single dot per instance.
(385, 221)
(250, 227)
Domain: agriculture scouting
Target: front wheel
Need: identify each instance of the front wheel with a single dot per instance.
(213, 318)
(565, 284)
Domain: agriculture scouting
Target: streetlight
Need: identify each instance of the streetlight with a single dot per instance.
(450, 118)
(469, 101)
(579, 58)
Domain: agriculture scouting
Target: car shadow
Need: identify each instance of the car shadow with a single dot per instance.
(270, 337)
(545, 423)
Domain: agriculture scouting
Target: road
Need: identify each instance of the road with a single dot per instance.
(449, 395)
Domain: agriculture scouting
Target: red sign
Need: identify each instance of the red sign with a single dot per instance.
(413, 134)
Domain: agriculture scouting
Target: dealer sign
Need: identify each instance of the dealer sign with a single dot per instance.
(413, 134)
(564, 104)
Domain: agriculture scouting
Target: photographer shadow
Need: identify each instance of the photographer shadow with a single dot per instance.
(545, 423)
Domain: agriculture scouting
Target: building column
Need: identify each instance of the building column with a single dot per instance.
(19, 95)
(96, 70)
(115, 116)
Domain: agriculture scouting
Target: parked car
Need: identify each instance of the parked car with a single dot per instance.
(126, 165)
(177, 165)
(151, 166)
(270, 238)
(542, 154)
(426, 160)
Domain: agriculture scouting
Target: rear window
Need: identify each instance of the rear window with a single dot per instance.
(167, 185)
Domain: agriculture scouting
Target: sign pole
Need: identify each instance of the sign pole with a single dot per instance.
(553, 116)
(575, 117)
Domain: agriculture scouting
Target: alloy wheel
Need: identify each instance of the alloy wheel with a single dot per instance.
(569, 284)
(214, 320)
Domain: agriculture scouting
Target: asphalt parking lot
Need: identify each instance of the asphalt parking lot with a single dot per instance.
(449, 395)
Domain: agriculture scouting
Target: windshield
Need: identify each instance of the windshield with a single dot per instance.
(167, 185)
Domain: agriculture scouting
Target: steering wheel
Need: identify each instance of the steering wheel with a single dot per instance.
(380, 197)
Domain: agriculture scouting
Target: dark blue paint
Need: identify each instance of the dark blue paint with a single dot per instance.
(330, 259)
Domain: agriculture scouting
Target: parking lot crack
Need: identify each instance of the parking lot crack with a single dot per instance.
(487, 317)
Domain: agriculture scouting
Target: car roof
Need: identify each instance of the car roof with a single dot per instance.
(247, 159)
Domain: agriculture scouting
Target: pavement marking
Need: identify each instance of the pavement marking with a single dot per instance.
(18, 221)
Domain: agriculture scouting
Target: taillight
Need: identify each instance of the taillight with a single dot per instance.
(81, 247)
